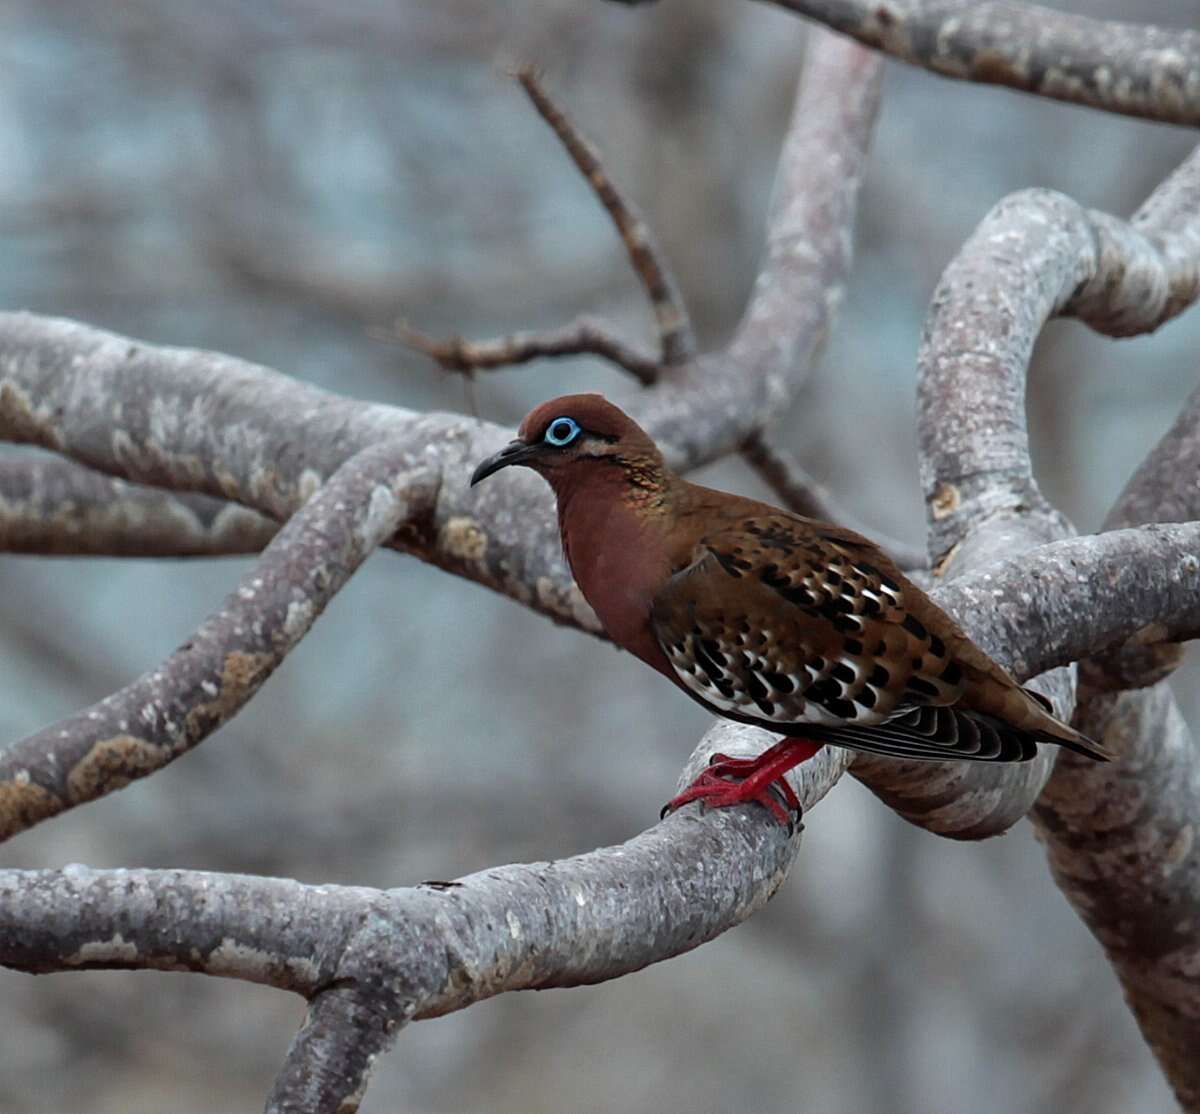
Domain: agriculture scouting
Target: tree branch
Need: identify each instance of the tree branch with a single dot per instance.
(371, 961)
(701, 411)
(1163, 489)
(53, 506)
(1121, 841)
(331, 1056)
(1129, 68)
(1037, 254)
(584, 335)
(791, 229)
(676, 338)
(166, 712)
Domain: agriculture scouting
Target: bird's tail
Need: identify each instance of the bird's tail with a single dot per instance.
(1049, 728)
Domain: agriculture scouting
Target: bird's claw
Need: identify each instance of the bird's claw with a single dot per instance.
(716, 789)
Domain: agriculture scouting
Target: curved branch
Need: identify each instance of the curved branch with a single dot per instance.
(165, 712)
(373, 960)
(1163, 489)
(1146, 806)
(203, 421)
(710, 407)
(1073, 598)
(1035, 255)
(53, 506)
(1130, 68)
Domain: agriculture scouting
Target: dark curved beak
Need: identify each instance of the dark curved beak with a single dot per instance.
(515, 452)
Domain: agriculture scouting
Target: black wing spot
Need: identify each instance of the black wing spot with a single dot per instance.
(713, 648)
(936, 646)
(843, 672)
(882, 578)
(866, 697)
(823, 692)
(728, 563)
(755, 687)
(843, 709)
(880, 677)
(853, 647)
(914, 626)
(706, 663)
(922, 687)
(952, 674)
(780, 682)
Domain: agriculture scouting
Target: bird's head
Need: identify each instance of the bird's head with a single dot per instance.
(571, 439)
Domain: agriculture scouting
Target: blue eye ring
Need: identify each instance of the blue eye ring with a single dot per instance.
(562, 431)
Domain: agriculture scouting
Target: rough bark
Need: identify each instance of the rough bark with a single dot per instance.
(1036, 255)
(1130, 68)
(370, 960)
(1121, 841)
(167, 711)
(53, 506)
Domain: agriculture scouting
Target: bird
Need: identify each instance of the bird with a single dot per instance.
(765, 617)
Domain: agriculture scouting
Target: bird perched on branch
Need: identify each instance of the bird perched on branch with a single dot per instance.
(764, 617)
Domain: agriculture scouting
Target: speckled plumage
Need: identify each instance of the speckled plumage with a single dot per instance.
(803, 628)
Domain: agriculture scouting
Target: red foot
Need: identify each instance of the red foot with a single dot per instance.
(733, 781)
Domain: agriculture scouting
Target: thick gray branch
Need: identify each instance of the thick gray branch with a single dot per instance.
(1122, 842)
(1037, 254)
(1163, 489)
(54, 506)
(378, 959)
(166, 712)
(710, 407)
(1137, 70)
(1073, 598)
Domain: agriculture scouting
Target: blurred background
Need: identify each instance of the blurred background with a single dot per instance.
(281, 181)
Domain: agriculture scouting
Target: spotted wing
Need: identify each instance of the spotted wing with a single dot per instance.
(779, 624)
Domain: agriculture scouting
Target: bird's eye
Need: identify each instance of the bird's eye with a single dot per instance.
(562, 431)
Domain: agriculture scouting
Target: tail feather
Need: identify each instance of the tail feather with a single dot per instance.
(1053, 730)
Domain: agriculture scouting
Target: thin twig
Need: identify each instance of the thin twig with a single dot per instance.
(582, 336)
(677, 340)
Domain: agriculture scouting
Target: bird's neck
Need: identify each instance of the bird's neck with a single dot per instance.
(618, 537)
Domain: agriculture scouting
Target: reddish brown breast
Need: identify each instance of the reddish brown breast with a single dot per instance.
(618, 555)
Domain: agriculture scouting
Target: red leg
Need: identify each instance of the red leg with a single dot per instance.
(732, 781)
